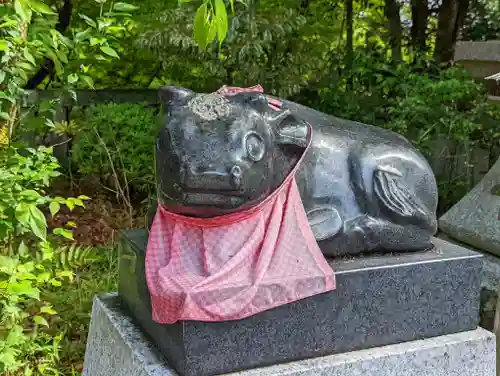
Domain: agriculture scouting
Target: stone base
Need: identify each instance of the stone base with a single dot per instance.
(490, 284)
(116, 346)
(380, 300)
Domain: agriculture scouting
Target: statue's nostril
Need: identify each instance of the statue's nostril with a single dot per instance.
(176, 187)
(236, 171)
(236, 174)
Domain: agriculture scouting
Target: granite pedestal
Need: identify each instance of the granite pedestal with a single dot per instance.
(474, 220)
(490, 284)
(380, 300)
(118, 347)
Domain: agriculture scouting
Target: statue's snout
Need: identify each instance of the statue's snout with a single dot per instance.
(207, 177)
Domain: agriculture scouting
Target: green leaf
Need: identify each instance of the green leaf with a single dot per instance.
(54, 208)
(43, 277)
(4, 115)
(22, 214)
(28, 267)
(25, 66)
(201, 26)
(24, 288)
(4, 96)
(212, 32)
(55, 59)
(55, 282)
(23, 249)
(221, 20)
(21, 276)
(64, 233)
(124, 7)
(4, 45)
(2, 76)
(88, 80)
(40, 7)
(62, 56)
(40, 321)
(37, 222)
(88, 20)
(72, 78)
(16, 332)
(66, 273)
(8, 264)
(94, 41)
(22, 10)
(30, 194)
(48, 310)
(79, 202)
(109, 51)
(70, 204)
(28, 56)
(83, 197)
(83, 35)
(9, 355)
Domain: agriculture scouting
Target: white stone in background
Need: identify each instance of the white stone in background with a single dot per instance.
(116, 346)
(474, 220)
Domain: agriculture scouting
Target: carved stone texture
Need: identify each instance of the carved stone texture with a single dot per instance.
(363, 188)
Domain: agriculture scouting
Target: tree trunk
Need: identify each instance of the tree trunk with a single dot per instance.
(450, 20)
(395, 30)
(419, 15)
(350, 32)
(349, 43)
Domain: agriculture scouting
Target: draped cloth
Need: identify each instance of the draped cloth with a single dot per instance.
(237, 265)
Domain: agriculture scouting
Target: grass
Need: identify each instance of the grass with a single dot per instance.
(73, 303)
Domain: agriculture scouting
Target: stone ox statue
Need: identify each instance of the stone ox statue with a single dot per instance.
(363, 188)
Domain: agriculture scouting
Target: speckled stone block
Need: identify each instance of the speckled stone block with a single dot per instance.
(490, 285)
(379, 300)
(116, 346)
(474, 220)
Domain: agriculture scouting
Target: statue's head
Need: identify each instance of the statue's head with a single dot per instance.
(216, 155)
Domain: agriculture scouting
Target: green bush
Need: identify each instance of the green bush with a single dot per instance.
(422, 105)
(116, 143)
(29, 342)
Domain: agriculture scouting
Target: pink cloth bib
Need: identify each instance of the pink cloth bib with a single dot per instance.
(237, 265)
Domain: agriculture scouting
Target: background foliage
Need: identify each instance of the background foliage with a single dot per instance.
(383, 62)
(116, 143)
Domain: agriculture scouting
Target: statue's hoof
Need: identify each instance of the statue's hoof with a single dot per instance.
(325, 222)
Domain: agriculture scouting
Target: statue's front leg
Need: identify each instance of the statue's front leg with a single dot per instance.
(357, 235)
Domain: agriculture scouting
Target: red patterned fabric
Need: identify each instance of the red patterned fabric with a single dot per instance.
(234, 266)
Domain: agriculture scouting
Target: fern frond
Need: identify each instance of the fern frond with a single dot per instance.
(75, 256)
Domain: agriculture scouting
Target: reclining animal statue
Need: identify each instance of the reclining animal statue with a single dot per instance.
(363, 188)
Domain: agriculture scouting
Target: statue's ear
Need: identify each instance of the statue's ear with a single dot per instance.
(288, 130)
(168, 94)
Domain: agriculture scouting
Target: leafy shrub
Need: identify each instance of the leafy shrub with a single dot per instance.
(116, 143)
(73, 303)
(28, 272)
(423, 105)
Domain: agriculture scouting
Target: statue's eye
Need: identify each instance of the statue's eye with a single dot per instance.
(255, 147)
